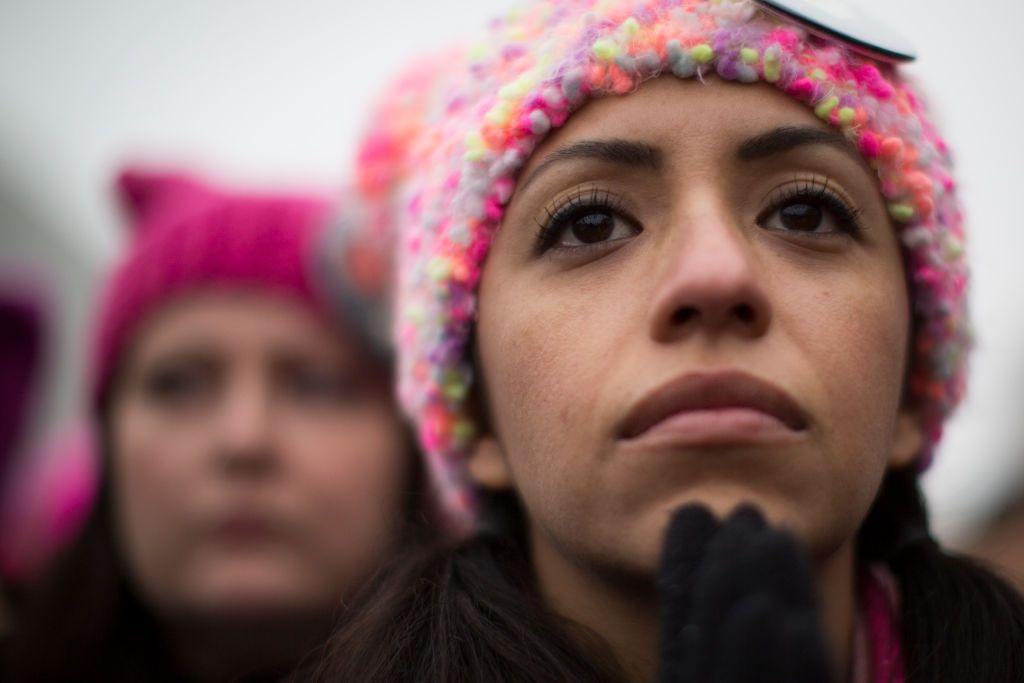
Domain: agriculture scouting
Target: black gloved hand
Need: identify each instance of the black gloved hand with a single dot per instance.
(737, 603)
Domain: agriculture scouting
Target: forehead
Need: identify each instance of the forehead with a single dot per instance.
(687, 116)
(233, 320)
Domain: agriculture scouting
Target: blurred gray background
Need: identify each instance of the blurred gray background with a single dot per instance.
(274, 91)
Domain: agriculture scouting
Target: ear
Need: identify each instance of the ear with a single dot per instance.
(488, 466)
(908, 439)
(151, 196)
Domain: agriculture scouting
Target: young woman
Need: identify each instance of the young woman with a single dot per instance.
(255, 471)
(667, 263)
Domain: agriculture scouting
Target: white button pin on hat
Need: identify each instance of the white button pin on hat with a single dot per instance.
(843, 21)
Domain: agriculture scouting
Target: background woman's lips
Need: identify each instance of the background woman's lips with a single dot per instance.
(245, 527)
(714, 406)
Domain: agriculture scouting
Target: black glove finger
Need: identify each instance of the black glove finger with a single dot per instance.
(744, 559)
(742, 651)
(692, 533)
(763, 640)
(740, 559)
(747, 556)
(805, 647)
(768, 560)
(689, 531)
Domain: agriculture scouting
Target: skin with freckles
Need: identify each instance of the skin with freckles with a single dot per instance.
(257, 464)
(687, 230)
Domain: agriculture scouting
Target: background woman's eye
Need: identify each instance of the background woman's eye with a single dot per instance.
(310, 384)
(178, 385)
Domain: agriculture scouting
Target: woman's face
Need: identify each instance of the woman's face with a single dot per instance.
(695, 295)
(257, 463)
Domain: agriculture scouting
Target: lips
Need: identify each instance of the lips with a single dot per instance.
(719, 402)
(243, 526)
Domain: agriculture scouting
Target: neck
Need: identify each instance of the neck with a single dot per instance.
(836, 579)
(265, 647)
(624, 613)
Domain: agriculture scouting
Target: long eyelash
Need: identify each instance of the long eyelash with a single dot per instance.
(563, 210)
(817, 189)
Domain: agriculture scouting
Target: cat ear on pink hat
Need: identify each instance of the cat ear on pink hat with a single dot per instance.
(187, 234)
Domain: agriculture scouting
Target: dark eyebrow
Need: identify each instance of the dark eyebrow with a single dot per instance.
(787, 138)
(615, 150)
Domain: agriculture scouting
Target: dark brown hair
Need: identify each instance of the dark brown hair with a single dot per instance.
(82, 621)
(470, 612)
(461, 613)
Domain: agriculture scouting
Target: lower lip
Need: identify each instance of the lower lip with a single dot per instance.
(718, 427)
(243, 531)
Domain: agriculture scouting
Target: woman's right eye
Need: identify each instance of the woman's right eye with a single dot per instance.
(585, 221)
(593, 227)
(177, 385)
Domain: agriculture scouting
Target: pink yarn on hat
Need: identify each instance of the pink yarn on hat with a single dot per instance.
(186, 236)
(46, 500)
(466, 136)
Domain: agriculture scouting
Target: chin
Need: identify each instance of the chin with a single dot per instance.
(724, 498)
(821, 531)
(248, 591)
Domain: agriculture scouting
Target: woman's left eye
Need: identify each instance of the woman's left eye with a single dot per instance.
(813, 213)
(318, 385)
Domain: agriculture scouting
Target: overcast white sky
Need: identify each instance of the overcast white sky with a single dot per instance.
(273, 90)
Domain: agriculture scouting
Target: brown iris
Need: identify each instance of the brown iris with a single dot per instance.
(801, 217)
(593, 227)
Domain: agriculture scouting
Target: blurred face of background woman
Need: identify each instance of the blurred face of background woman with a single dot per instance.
(257, 462)
(253, 470)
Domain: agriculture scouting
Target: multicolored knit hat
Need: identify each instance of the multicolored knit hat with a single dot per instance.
(487, 110)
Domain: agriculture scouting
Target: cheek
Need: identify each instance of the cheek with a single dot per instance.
(352, 478)
(851, 337)
(550, 350)
(152, 463)
(543, 353)
(359, 451)
(855, 332)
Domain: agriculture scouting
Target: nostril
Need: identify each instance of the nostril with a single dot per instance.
(745, 313)
(683, 315)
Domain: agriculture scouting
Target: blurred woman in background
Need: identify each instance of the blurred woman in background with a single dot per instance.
(254, 471)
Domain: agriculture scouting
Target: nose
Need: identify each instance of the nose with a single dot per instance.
(244, 446)
(711, 282)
